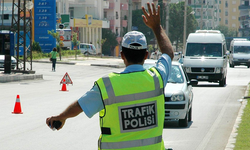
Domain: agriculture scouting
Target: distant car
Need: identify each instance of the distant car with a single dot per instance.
(13, 62)
(155, 55)
(178, 94)
(87, 49)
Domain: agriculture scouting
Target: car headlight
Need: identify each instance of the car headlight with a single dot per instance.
(188, 69)
(178, 96)
(218, 70)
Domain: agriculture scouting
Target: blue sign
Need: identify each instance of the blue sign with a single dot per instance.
(45, 19)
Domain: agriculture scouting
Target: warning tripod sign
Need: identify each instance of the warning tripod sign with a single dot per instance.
(66, 79)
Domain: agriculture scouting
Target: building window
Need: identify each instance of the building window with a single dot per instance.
(116, 15)
(226, 21)
(226, 13)
(105, 14)
(136, 6)
(71, 12)
(226, 4)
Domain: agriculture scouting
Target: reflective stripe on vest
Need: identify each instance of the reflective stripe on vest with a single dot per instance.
(125, 98)
(130, 144)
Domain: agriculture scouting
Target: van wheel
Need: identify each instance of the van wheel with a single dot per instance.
(86, 53)
(231, 65)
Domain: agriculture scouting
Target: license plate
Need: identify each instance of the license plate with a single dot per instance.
(202, 77)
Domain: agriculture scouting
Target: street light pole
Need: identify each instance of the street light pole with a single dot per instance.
(130, 15)
(185, 25)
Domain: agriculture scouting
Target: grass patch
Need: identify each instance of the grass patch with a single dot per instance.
(243, 137)
(65, 53)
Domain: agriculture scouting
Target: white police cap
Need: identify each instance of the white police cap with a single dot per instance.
(133, 37)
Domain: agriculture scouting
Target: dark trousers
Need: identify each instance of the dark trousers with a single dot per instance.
(53, 64)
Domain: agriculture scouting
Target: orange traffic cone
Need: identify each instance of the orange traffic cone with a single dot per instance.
(64, 88)
(17, 108)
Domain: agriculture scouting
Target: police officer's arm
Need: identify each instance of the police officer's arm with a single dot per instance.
(71, 111)
(153, 21)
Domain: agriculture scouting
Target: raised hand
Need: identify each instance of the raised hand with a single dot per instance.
(152, 18)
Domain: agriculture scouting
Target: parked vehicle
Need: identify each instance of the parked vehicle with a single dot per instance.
(13, 62)
(86, 48)
(206, 56)
(155, 55)
(178, 94)
(239, 53)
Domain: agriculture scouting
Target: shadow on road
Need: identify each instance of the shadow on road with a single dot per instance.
(174, 124)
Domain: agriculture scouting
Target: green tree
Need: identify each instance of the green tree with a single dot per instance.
(101, 42)
(75, 42)
(176, 22)
(111, 42)
(57, 37)
(228, 32)
(138, 22)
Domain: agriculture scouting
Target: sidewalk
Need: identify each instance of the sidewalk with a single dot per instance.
(92, 61)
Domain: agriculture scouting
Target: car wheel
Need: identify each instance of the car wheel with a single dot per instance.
(184, 122)
(222, 82)
(230, 65)
(190, 115)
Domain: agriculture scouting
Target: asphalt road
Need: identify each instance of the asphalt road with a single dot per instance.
(214, 111)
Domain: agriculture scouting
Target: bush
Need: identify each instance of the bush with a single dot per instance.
(39, 55)
(36, 47)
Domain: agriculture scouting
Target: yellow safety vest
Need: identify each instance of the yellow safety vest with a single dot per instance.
(133, 114)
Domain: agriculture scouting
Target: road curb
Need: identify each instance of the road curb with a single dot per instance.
(232, 139)
(106, 65)
(19, 77)
(58, 62)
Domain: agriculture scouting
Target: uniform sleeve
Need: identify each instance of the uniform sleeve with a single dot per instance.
(164, 65)
(91, 102)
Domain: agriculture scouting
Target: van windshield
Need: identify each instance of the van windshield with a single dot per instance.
(201, 49)
(242, 49)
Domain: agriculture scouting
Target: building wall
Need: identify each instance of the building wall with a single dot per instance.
(229, 13)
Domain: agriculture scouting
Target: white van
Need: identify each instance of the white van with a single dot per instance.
(205, 58)
(86, 48)
(239, 53)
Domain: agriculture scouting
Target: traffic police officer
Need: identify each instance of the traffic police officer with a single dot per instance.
(130, 103)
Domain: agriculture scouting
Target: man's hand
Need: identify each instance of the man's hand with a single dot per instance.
(152, 19)
(50, 120)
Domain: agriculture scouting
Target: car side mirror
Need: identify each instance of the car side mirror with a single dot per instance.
(193, 82)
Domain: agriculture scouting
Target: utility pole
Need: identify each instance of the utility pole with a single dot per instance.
(130, 15)
(201, 21)
(185, 25)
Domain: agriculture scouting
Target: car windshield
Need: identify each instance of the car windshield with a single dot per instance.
(201, 49)
(176, 74)
(242, 49)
